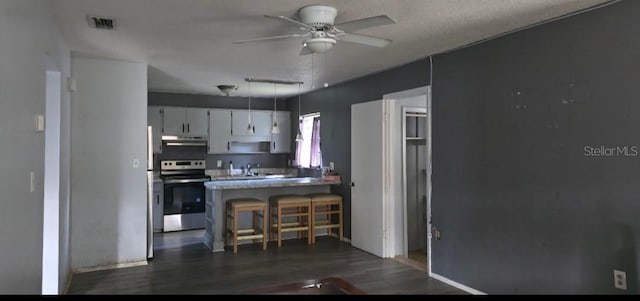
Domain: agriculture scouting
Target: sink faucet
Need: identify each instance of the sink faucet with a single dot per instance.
(249, 166)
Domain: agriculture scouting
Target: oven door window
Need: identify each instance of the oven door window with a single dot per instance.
(184, 198)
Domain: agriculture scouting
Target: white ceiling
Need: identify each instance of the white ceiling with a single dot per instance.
(188, 43)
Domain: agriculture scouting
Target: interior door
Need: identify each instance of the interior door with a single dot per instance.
(367, 218)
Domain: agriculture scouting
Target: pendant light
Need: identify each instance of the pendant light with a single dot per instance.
(275, 129)
(299, 135)
(251, 130)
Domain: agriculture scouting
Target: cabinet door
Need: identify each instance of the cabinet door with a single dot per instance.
(197, 122)
(281, 143)
(174, 121)
(262, 122)
(239, 122)
(219, 131)
(154, 119)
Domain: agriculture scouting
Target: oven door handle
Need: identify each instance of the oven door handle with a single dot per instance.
(179, 181)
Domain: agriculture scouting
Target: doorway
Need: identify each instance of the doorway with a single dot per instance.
(410, 173)
(414, 185)
(378, 206)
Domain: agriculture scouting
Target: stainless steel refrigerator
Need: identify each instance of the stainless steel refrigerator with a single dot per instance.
(149, 192)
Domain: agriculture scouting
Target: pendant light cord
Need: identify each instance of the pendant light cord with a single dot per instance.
(275, 118)
(249, 103)
(299, 102)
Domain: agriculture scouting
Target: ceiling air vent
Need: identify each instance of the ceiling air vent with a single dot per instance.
(101, 22)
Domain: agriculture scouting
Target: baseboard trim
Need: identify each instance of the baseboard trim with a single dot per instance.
(110, 267)
(457, 285)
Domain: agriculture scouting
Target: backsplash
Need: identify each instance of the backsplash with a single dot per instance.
(223, 173)
(239, 160)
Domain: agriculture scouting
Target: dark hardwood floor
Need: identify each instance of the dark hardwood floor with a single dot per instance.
(193, 269)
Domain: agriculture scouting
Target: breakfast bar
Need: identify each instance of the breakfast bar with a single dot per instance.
(219, 191)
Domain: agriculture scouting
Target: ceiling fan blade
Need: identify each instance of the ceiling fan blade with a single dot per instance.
(305, 51)
(364, 40)
(365, 23)
(292, 21)
(296, 35)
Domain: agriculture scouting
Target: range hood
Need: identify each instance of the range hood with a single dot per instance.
(184, 141)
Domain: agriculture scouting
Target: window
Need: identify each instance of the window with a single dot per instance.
(308, 153)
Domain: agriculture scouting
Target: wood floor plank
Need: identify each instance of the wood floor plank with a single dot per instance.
(193, 269)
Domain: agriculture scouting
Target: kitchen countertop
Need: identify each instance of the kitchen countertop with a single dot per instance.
(267, 183)
(257, 177)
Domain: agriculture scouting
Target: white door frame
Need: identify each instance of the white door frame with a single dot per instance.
(426, 90)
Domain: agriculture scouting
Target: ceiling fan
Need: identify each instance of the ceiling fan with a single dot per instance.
(316, 22)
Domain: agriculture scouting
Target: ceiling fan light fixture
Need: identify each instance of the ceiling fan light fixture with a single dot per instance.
(227, 89)
(318, 14)
(319, 45)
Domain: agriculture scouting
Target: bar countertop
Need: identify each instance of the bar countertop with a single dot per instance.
(267, 183)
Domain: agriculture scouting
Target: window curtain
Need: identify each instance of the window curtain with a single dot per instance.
(316, 153)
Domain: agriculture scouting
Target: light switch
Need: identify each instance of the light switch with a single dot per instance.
(39, 123)
(32, 181)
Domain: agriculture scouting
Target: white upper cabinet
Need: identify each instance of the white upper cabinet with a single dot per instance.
(197, 122)
(281, 143)
(219, 131)
(225, 129)
(185, 122)
(260, 120)
(174, 121)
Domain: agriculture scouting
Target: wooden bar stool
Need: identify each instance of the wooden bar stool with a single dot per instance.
(329, 205)
(257, 231)
(289, 206)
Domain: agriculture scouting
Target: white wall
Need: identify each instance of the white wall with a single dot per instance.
(108, 132)
(27, 34)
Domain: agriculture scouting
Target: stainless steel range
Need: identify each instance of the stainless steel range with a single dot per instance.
(184, 194)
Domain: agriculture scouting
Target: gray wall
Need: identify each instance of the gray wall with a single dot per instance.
(109, 193)
(29, 35)
(223, 102)
(521, 208)
(212, 101)
(334, 104)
